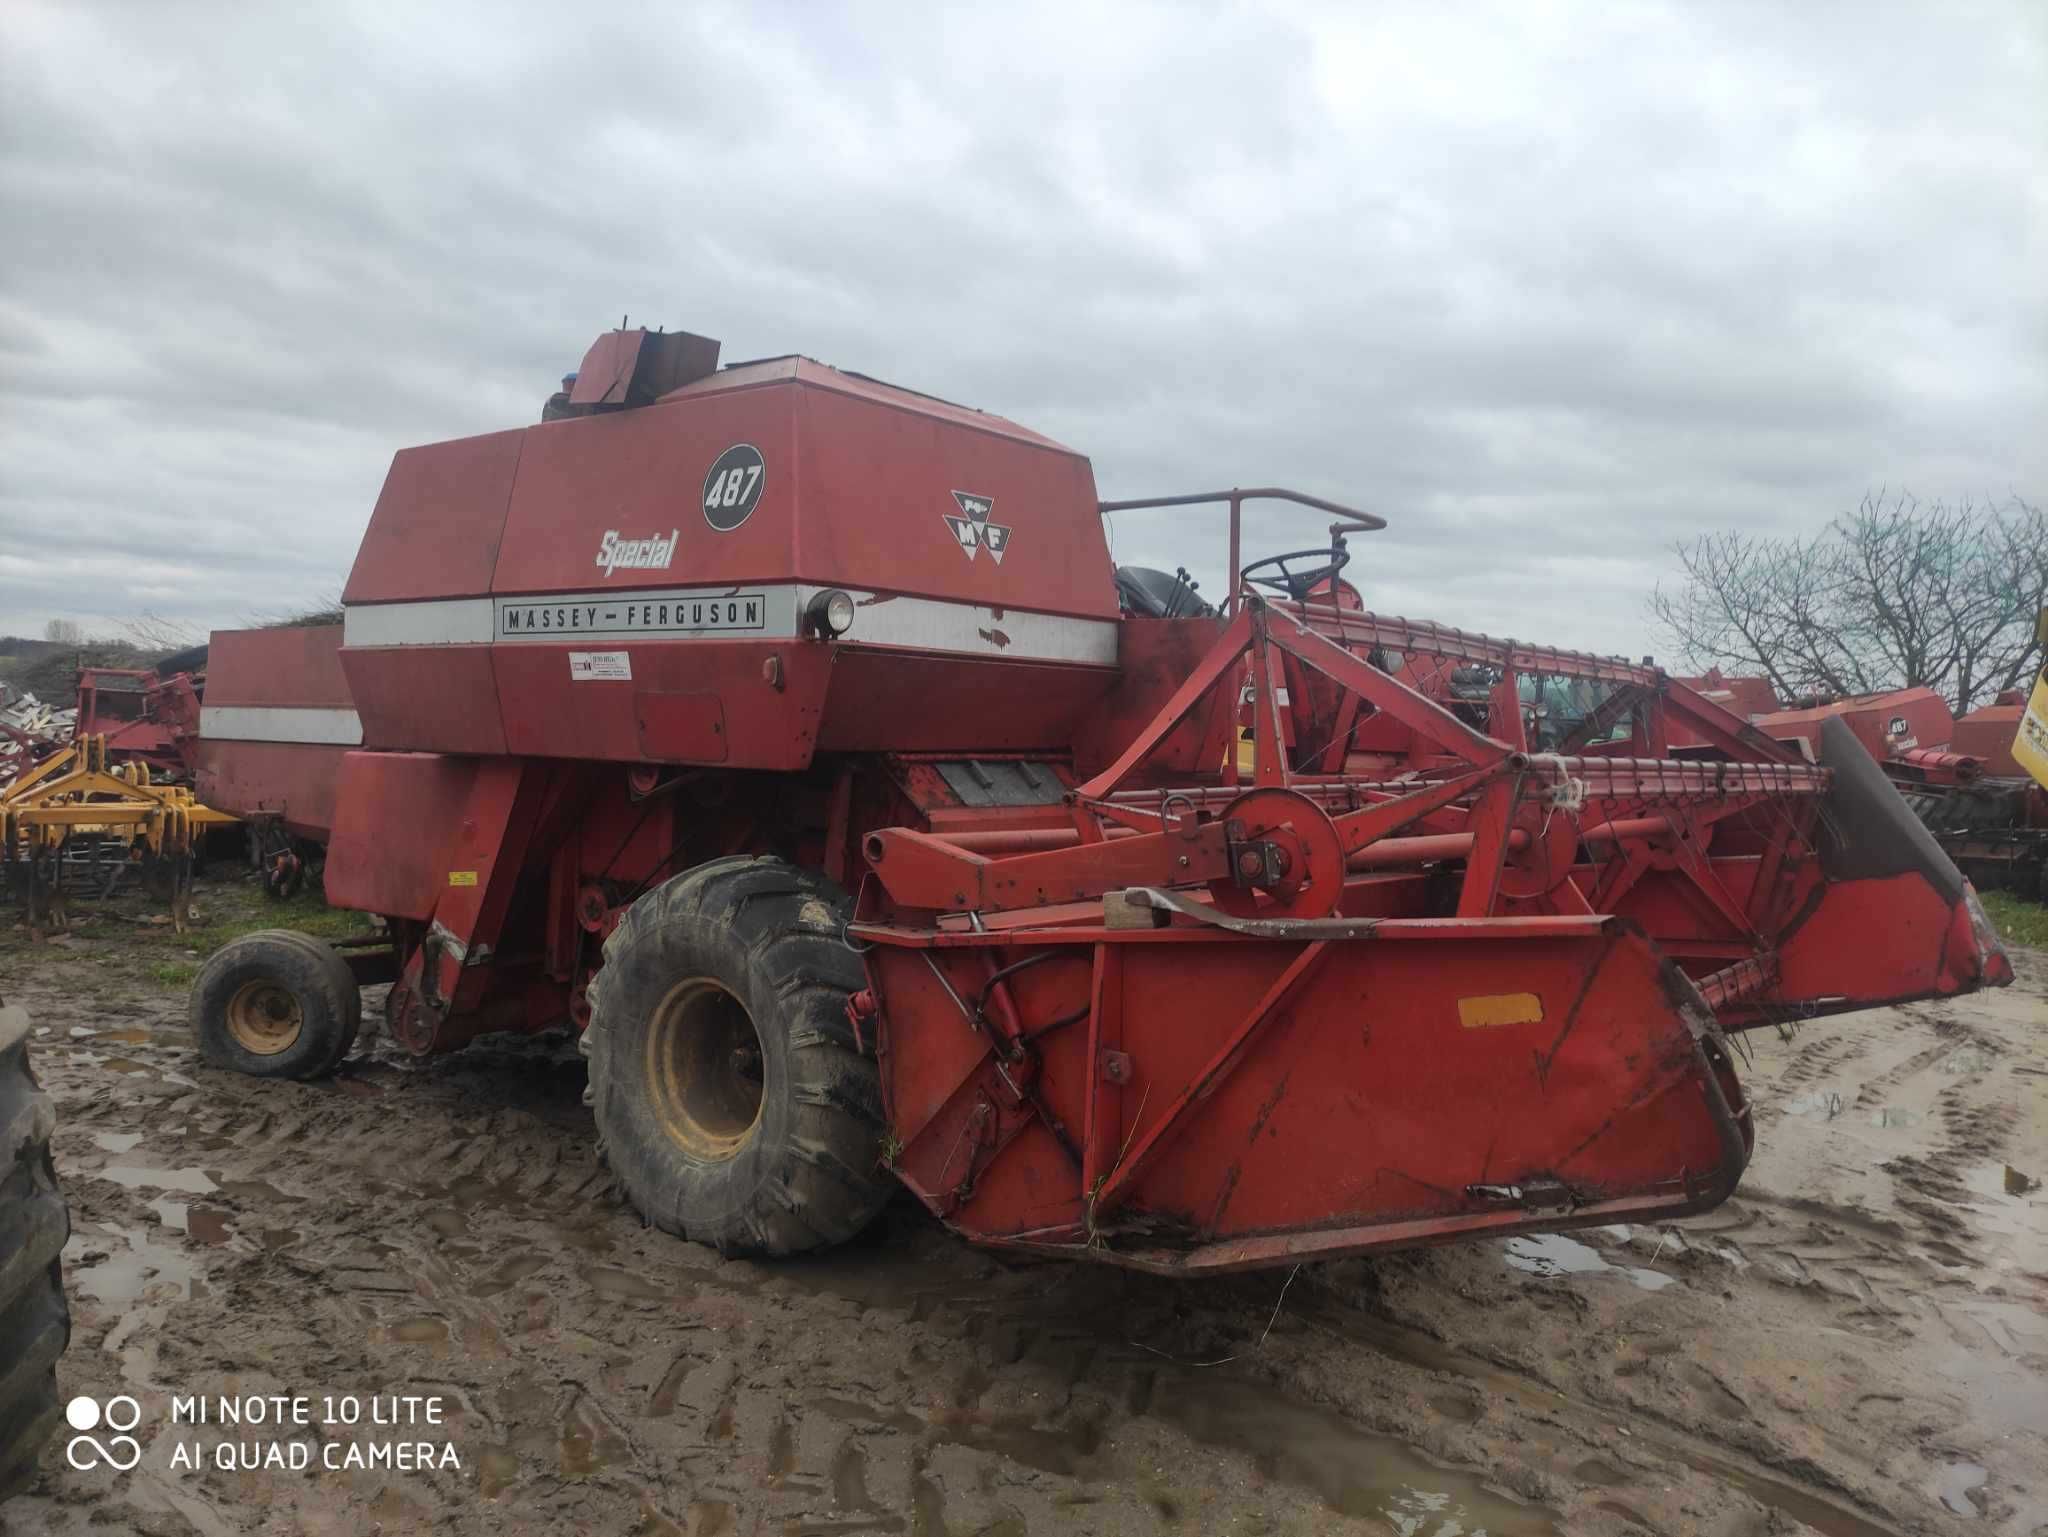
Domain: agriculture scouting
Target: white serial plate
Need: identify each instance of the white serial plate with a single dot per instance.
(585, 665)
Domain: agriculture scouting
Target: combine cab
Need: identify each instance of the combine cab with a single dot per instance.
(783, 733)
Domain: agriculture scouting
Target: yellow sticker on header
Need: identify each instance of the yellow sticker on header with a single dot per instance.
(2030, 746)
(1484, 1009)
(462, 877)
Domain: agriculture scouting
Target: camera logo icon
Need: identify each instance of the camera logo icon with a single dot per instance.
(119, 1451)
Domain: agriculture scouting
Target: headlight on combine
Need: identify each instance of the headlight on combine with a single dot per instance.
(829, 614)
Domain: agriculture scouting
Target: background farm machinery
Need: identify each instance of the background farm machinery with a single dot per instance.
(105, 792)
(1974, 781)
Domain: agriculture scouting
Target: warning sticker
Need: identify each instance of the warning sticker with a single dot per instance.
(584, 665)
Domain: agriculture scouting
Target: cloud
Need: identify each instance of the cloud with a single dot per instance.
(1548, 286)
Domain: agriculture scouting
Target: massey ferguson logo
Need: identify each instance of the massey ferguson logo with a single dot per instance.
(653, 554)
(974, 531)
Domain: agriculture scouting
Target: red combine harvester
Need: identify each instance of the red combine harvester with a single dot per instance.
(626, 705)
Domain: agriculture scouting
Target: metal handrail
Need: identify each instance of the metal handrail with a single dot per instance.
(1351, 519)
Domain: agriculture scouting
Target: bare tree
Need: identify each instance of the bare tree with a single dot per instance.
(1894, 595)
(64, 632)
(151, 631)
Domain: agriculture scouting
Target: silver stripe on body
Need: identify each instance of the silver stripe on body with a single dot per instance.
(309, 724)
(763, 611)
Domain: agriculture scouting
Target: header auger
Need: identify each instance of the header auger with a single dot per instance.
(861, 829)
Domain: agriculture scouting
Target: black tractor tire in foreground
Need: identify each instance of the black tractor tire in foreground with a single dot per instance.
(35, 1323)
(731, 1097)
(276, 1004)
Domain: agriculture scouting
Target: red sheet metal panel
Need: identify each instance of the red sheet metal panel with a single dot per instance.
(641, 475)
(1987, 733)
(895, 702)
(681, 701)
(293, 780)
(1884, 723)
(887, 490)
(398, 818)
(435, 529)
(847, 484)
(1404, 1083)
(426, 699)
(277, 667)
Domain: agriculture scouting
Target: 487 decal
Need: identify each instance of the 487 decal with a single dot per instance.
(732, 488)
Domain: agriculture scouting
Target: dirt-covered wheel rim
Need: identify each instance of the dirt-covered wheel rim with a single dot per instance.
(704, 1069)
(264, 1018)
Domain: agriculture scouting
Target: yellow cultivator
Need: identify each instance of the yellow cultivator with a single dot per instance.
(73, 813)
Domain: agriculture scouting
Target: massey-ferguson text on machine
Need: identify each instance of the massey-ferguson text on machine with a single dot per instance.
(786, 734)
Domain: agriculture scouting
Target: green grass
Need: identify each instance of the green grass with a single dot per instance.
(229, 912)
(2018, 921)
(127, 946)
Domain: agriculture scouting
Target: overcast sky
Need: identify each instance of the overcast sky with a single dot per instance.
(1546, 285)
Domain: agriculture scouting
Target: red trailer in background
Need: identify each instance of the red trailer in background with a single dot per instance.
(789, 736)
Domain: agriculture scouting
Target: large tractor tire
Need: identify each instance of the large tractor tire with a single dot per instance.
(35, 1324)
(731, 1097)
(276, 1004)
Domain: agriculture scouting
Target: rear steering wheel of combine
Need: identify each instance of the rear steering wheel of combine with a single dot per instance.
(731, 1097)
(276, 1004)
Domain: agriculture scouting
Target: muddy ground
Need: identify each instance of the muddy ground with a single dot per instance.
(1857, 1343)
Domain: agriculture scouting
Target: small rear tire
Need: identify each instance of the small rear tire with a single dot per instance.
(733, 1102)
(35, 1322)
(276, 1004)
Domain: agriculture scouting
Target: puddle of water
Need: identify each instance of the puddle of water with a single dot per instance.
(116, 1141)
(850, 1478)
(172, 1214)
(1064, 1452)
(1825, 1103)
(1359, 1475)
(1455, 1406)
(1895, 1115)
(707, 1518)
(192, 1181)
(133, 1036)
(126, 1065)
(1957, 1485)
(495, 1469)
(623, 1286)
(1553, 1254)
(207, 1226)
(509, 1274)
(864, 1416)
(253, 1190)
(589, 1237)
(123, 1276)
(584, 1452)
(1998, 1179)
(420, 1331)
(781, 1453)
(663, 1402)
(1594, 1471)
